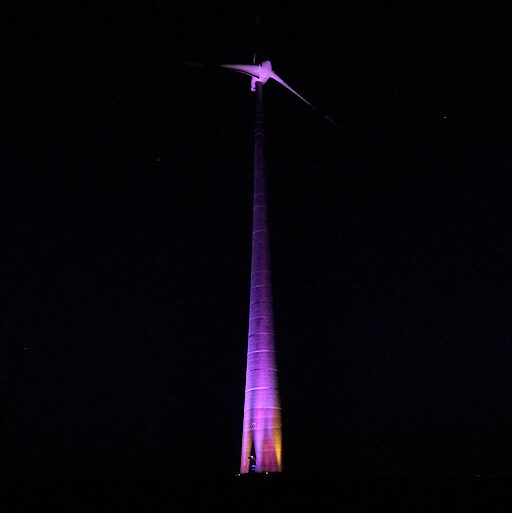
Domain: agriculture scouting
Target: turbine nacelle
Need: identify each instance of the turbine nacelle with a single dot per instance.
(258, 72)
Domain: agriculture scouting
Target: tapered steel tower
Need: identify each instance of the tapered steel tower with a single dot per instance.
(262, 433)
(262, 436)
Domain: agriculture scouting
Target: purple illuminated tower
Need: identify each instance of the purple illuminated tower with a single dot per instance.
(262, 434)
(262, 410)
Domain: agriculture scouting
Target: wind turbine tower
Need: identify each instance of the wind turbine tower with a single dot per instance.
(262, 432)
(262, 428)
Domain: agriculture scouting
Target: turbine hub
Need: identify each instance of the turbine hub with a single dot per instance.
(264, 73)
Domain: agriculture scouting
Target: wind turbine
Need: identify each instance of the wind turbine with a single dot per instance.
(262, 428)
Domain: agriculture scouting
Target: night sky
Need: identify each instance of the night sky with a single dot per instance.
(126, 182)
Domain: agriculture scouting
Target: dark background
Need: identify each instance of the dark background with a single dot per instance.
(126, 200)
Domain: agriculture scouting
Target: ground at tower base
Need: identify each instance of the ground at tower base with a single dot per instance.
(272, 492)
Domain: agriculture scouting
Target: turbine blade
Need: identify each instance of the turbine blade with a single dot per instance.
(248, 69)
(283, 83)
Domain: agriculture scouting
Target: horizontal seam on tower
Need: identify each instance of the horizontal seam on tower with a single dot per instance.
(261, 407)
